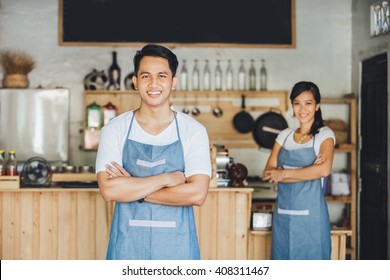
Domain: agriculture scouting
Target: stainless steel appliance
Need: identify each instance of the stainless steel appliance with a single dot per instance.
(35, 122)
(223, 162)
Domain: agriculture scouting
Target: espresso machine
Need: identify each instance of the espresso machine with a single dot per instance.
(222, 163)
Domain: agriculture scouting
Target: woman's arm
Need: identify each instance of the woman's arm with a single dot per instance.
(321, 167)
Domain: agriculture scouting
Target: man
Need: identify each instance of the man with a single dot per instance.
(155, 164)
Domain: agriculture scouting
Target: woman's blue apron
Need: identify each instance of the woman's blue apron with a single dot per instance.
(301, 228)
(146, 231)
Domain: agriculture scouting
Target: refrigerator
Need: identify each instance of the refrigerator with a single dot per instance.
(35, 123)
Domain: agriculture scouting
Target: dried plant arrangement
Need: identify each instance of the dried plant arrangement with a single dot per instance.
(17, 62)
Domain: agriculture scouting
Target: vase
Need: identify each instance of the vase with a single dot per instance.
(15, 81)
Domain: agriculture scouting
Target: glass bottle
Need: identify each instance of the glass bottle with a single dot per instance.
(195, 76)
(94, 116)
(114, 74)
(12, 166)
(229, 76)
(218, 76)
(206, 76)
(2, 162)
(184, 76)
(241, 76)
(252, 76)
(263, 76)
(109, 112)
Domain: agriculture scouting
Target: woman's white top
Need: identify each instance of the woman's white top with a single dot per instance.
(286, 138)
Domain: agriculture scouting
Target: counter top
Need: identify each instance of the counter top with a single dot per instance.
(59, 189)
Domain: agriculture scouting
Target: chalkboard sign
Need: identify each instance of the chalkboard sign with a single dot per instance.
(253, 23)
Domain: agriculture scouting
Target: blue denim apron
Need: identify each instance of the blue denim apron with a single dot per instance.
(301, 227)
(147, 231)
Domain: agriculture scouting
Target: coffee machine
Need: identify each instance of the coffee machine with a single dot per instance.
(221, 164)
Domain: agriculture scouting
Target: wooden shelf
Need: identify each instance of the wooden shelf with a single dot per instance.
(339, 198)
(220, 130)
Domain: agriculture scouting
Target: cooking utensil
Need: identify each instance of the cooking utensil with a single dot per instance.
(185, 109)
(217, 111)
(195, 111)
(267, 128)
(243, 121)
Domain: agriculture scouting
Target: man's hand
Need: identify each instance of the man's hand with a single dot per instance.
(116, 170)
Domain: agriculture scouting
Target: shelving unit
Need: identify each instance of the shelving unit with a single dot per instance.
(221, 130)
(351, 150)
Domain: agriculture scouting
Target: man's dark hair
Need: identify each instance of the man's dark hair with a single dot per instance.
(157, 51)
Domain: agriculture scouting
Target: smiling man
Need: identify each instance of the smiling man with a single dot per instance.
(155, 164)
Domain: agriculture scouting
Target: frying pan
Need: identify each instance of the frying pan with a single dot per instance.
(243, 121)
(267, 128)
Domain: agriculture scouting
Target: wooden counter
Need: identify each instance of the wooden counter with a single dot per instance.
(62, 223)
(259, 245)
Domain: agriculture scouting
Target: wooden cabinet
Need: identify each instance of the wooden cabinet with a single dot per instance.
(223, 224)
(259, 246)
(69, 224)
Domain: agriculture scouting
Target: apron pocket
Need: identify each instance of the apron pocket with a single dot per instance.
(150, 223)
(293, 212)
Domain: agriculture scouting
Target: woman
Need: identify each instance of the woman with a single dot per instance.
(299, 159)
(155, 164)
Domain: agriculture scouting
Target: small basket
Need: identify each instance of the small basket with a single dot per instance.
(15, 81)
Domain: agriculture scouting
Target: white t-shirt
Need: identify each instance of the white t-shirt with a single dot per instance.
(289, 143)
(193, 136)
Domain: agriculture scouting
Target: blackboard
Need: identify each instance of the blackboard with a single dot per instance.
(256, 23)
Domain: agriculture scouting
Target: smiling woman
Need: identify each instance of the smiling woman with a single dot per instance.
(299, 159)
(200, 22)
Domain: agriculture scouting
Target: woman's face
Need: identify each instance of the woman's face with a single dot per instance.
(304, 107)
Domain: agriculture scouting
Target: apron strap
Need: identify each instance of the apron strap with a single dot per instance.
(177, 126)
(131, 123)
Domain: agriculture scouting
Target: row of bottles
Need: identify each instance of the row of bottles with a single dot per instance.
(97, 116)
(8, 167)
(245, 80)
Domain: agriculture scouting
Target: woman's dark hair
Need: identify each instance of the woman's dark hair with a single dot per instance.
(157, 51)
(303, 86)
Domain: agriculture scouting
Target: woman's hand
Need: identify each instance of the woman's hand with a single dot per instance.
(115, 170)
(319, 159)
(274, 175)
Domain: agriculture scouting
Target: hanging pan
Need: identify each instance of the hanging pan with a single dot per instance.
(243, 121)
(267, 128)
